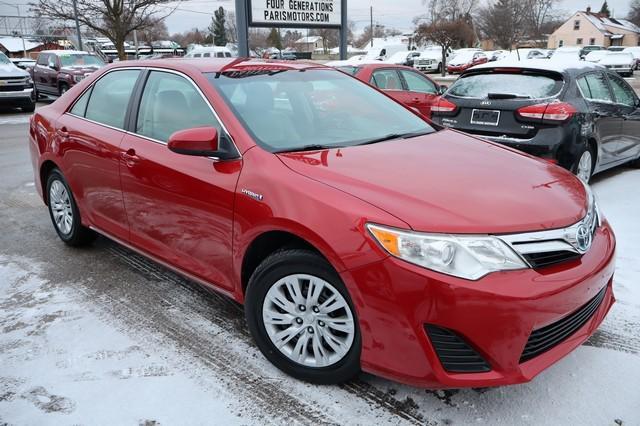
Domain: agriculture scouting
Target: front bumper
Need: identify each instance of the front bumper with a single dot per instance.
(16, 96)
(427, 67)
(495, 315)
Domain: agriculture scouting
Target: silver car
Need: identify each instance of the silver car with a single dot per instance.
(16, 86)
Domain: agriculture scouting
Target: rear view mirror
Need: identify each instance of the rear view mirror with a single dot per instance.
(199, 141)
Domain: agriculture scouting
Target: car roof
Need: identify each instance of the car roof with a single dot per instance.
(206, 65)
(568, 67)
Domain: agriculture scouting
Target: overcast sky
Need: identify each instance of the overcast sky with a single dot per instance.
(397, 13)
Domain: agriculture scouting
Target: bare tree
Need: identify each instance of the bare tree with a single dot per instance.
(446, 34)
(634, 12)
(155, 32)
(114, 19)
(538, 13)
(448, 10)
(230, 27)
(329, 36)
(504, 22)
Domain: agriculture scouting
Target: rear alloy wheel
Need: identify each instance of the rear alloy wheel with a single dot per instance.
(301, 318)
(584, 166)
(63, 88)
(64, 212)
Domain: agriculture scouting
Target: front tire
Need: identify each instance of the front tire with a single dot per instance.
(64, 212)
(302, 319)
(63, 88)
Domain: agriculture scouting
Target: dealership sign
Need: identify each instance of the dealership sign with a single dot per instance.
(295, 13)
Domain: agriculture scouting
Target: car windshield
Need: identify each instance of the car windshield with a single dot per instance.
(80, 60)
(4, 59)
(528, 85)
(292, 110)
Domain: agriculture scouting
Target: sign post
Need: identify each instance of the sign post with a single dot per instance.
(290, 14)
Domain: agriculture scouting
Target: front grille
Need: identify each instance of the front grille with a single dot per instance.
(454, 353)
(12, 88)
(545, 338)
(542, 259)
(13, 78)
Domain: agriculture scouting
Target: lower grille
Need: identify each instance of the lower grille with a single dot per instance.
(545, 338)
(454, 353)
(541, 259)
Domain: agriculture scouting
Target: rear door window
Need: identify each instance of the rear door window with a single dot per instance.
(595, 88)
(110, 97)
(43, 59)
(417, 83)
(531, 85)
(387, 80)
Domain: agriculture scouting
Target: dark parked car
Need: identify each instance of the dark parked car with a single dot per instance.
(404, 84)
(580, 116)
(56, 71)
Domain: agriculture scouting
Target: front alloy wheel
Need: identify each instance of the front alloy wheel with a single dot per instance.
(302, 319)
(308, 320)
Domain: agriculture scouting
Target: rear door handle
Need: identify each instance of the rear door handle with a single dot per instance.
(63, 133)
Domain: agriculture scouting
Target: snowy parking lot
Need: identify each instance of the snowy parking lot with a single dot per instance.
(103, 336)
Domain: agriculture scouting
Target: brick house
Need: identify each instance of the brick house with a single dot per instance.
(588, 28)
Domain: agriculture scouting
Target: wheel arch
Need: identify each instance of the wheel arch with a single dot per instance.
(45, 169)
(266, 243)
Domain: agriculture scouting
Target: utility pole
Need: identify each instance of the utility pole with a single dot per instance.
(243, 29)
(75, 15)
(343, 30)
(371, 24)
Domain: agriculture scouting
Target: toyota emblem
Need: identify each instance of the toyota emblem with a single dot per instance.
(583, 238)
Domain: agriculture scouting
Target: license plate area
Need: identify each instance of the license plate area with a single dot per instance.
(485, 117)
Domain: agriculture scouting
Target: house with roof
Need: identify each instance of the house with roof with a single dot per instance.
(589, 28)
(309, 44)
(14, 47)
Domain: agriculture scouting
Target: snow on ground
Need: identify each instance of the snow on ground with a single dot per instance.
(103, 336)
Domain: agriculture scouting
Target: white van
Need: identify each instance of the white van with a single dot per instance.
(385, 52)
(209, 52)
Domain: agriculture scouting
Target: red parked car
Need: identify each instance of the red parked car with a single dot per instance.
(465, 60)
(402, 83)
(357, 235)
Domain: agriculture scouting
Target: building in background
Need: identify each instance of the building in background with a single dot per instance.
(586, 28)
(309, 44)
(13, 47)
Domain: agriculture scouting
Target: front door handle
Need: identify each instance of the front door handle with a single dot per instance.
(129, 157)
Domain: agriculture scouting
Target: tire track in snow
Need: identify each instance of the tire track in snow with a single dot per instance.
(230, 316)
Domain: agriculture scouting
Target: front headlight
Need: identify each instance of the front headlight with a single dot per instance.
(466, 256)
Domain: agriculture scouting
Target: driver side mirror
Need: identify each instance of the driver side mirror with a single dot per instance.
(53, 67)
(442, 88)
(198, 141)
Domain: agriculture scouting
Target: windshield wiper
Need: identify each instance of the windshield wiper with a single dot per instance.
(311, 147)
(506, 96)
(391, 136)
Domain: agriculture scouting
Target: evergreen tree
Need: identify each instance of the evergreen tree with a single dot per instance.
(274, 39)
(605, 9)
(218, 27)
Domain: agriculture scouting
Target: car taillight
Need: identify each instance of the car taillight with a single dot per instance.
(444, 105)
(554, 112)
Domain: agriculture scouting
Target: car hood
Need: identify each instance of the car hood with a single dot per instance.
(10, 70)
(615, 61)
(80, 70)
(450, 182)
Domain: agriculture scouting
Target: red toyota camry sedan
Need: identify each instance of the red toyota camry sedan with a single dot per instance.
(357, 234)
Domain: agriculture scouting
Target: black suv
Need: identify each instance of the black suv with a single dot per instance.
(580, 116)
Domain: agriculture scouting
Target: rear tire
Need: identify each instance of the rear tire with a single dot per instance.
(64, 212)
(584, 164)
(29, 107)
(311, 346)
